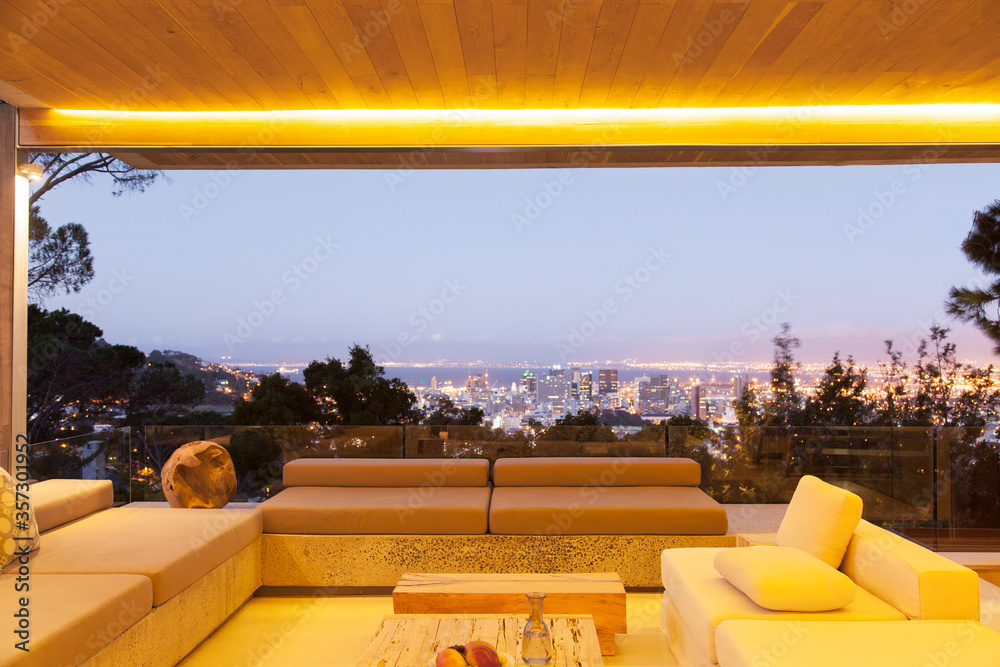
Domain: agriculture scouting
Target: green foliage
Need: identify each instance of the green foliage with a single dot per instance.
(161, 388)
(59, 260)
(448, 414)
(276, 401)
(785, 406)
(358, 394)
(840, 396)
(981, 306)
(252, 451)
(74, 378)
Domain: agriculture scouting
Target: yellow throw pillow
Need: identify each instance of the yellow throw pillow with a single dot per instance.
(785, 579)
(820, 520)
(18, 530)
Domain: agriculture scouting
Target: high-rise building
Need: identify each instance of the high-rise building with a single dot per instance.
(607, 381)
(696, 401)
(553, 391)
(434, 382)
(586, 386)
(529, 383)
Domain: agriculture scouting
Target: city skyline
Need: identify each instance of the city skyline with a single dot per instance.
(543, 266)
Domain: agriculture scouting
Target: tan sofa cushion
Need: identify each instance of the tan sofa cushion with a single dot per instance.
(637, 510)
(59, 501)
(705, 599)
(73, 616)
(812, 644)
(596, 471)
(417, 473)
(785, 579)
(820, 520)
(377, 511)
(915, 580)
(173, 547)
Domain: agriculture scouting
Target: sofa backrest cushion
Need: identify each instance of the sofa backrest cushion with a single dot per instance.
(820, 520)
(59, 501)
(915, 580)
(596, 471)
(387, 472)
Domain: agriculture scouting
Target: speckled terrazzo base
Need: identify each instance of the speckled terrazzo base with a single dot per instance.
(379, 560)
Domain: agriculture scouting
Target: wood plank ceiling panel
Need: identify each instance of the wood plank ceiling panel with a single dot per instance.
(339, 29)
(778, 38)
(687, 49)
(475, 29)
(445, 43)
(510, 29)
(299, 20)
(545, 22)
(47, 52)
(613, 27)
(200, 64)
(371, 21)
(576, 43)
(647, 27)
(294, 66)
(207, 35)
(411, 39)
(159, 67)
(825, 28)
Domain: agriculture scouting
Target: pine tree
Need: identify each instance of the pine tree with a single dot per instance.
(981, 306)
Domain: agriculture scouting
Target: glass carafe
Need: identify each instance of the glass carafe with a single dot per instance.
(536, 647)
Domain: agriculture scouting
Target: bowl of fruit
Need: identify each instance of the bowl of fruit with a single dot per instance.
(473, 654)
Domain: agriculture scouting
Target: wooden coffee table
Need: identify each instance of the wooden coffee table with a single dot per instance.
(412, 640)
(600, 595)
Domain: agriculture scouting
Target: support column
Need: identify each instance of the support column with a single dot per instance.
(13, 291)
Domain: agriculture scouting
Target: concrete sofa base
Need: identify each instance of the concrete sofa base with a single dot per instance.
(379, 560)
(168, 633)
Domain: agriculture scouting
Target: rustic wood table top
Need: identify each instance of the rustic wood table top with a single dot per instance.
(412, 640)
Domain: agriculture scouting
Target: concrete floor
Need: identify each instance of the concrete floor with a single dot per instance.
(279, 631)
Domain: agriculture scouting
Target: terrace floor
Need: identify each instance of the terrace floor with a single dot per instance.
(296, 631)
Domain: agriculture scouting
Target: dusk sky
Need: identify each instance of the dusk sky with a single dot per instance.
(544, 266)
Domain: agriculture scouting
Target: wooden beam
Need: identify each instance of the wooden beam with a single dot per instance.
(13, 290)
(927, 125)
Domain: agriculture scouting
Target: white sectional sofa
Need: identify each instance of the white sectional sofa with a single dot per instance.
(710, 621)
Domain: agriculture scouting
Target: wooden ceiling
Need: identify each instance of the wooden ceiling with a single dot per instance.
(267, 55)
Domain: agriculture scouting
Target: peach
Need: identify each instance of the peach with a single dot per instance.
(481, 654)
(450, 658)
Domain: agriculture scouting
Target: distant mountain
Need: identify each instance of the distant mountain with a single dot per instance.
(221, 386)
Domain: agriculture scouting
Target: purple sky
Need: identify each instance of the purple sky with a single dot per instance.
(545, 266)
